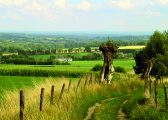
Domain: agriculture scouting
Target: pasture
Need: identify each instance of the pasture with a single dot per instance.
(45, 57)
(84, 66)
(12, 83)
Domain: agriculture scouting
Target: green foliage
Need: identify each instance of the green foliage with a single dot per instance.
(92, 56)
(133, 101)
(108, 46)
(156, 48)
(26, 60)
(41, 73)
(120, 69)
(109, 111)
(88, 49)
(97, 67)
(46, 43)
(145, 112)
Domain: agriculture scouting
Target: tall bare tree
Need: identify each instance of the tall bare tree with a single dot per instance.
(108, 49)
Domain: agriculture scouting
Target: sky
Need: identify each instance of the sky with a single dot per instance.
(84, 15)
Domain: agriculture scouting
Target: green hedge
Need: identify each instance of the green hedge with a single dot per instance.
(41, 73)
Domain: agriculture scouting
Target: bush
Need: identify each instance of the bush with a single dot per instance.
(120, 69)
(97, 67)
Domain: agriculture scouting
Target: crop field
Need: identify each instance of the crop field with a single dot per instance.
(136, 47)
(133, 47)
(75, 65)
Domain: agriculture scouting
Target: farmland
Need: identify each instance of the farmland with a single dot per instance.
(77, 88)
(85, 66)
(13, 83)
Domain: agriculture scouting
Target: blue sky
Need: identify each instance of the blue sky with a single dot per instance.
(83, 15)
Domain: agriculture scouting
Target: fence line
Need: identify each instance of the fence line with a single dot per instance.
(52, 95)
(22, 99)
(41, 99)
(61, 93)
(22, 102)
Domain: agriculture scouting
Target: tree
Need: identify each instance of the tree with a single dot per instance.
(108, 49)
(152, 60)
(88, 49)
(154, 48)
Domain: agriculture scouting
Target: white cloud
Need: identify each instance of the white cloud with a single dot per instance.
(36, 6)
(12, 2)
(150, 13)
(122, 4)
(163, 2)
(63, 4)
(85, 5)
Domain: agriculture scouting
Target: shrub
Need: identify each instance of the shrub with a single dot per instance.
(97, 67)
(120, 69)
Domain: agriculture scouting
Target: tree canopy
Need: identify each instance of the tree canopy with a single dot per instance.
(156, 48)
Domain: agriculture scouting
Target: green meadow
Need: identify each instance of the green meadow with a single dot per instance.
(45, 57)
(85, 66)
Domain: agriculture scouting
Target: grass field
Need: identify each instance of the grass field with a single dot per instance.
(45, 57)
(12, 83)
(73, 105)
(75, 65)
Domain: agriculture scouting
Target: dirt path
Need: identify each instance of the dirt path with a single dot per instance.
(121, 114)
(92, 109)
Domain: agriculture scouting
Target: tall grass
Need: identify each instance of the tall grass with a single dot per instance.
(74, 103)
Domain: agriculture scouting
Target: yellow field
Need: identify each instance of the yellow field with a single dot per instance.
(132, 47)
(135, 47)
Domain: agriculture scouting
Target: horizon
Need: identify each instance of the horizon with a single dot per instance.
(117, 33)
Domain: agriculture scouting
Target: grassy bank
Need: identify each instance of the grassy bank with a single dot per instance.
(74, 103)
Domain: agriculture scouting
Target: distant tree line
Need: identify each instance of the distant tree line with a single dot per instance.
(15, 59)
(15, 42)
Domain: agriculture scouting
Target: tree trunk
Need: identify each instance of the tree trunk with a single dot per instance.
(107, 71)
(102, 73)
(147, 89)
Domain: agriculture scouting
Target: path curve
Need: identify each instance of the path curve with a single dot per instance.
(121, 114)
(92, 109)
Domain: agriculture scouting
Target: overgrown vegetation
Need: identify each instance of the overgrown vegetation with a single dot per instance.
(74, 103)
(156, 48)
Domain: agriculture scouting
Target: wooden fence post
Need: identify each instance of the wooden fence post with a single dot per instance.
(62, 90)
(69, 86)
(21, 105)
(52, 95)
(41, 99)
(155, 90)
(86, 82)
(78, 84)
(165, 92)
